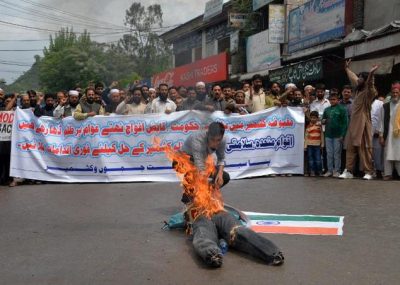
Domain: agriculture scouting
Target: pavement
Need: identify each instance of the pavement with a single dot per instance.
(111, 234)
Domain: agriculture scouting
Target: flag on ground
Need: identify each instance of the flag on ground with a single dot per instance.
(295, 224)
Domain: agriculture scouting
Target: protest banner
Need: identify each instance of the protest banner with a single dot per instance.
(6, 122)
(121, 148)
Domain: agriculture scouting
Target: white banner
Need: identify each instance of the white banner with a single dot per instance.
(6, 122)
(120, 148)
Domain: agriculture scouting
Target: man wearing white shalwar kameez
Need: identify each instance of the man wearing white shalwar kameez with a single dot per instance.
(387, 133)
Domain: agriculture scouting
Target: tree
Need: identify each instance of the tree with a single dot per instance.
(143, 45)
(69, 60)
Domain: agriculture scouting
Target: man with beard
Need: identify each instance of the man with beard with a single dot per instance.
(25, 101)
(47, 109)
(145, 93)
(133, 103)
(359, 134)
(216, 102)
(272, 98)
(67, 105)
(32, 97)
(390, 133)
(173, 94)
(162, 104)
(201, 91)
(87, 107)
(115, 99)
(191, 102)
(255, 97)
(320, 104)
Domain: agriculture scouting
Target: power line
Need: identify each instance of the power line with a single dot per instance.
(69, 13)
(21, 49)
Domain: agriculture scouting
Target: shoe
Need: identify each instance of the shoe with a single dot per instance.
(289, 175)
(306, 174)
(346, 175)
(336, 174)
(272, 175)
(328, 174)
(214, 260)
(387, 178)
(368, 177)
(312, 174)
(278, 259)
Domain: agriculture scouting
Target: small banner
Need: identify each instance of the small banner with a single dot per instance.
(295, 224)
(120, 148)
(6, 122)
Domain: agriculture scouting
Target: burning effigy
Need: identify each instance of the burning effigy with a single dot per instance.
(206, 218)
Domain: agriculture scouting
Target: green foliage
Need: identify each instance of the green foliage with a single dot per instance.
(143, 45)
(72, 59)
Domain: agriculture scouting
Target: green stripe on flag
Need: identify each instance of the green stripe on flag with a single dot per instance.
(294, 218)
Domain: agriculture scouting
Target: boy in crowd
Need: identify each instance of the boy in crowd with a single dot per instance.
(335, 121)
(313, 143)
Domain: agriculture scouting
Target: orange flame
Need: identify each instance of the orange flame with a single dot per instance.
(207, 198)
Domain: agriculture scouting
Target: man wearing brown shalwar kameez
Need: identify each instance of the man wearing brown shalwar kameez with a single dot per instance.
(359, 135)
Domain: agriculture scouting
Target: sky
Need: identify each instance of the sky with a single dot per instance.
(106, 14)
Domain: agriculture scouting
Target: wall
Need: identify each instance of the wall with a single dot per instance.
(380, 13)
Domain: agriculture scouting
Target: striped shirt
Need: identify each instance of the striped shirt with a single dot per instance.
(313, 135)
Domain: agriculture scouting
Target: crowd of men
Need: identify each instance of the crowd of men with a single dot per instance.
(352, 131)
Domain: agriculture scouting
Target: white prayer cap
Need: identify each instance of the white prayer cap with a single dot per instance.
(1, 90)
(112, 91)
(290, 85)
(308, 87)
(200, 84)
(152, 89)
(73, 93)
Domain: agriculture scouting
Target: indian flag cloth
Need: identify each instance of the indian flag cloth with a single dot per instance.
(295, 224)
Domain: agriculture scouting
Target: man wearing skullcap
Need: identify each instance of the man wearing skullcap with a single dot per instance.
(390, 133)
(67, 105)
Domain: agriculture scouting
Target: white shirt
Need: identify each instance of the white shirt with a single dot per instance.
(376, 113)
(158, 106)
(320, 106)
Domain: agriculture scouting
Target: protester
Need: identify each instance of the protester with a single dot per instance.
(115, 99)
(67, 105)
(246, 86)
(240, 104)
(320, 104)
(359, 134)
(191, 102)
(228, 94)
(216, 102)
(347, 100)
(313, 142)
(272, 98)
(335, 121)
(173, 94)
(25, 101)
(133, 103)
(87, 107)
(182, 91)
(377, 148)
(256, 96)
(47, 109)
(163, 104)
(201, 91)
(32, 97)
(390, 133)
(145, 93)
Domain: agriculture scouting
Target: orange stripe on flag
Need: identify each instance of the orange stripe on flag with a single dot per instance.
(295, 230)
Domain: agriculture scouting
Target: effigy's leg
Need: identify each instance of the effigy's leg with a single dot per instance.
(205, 241)
(246, 240)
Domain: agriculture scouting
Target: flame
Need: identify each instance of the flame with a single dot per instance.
(195, 183)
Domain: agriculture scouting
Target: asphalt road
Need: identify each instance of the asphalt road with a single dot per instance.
(111, 234)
